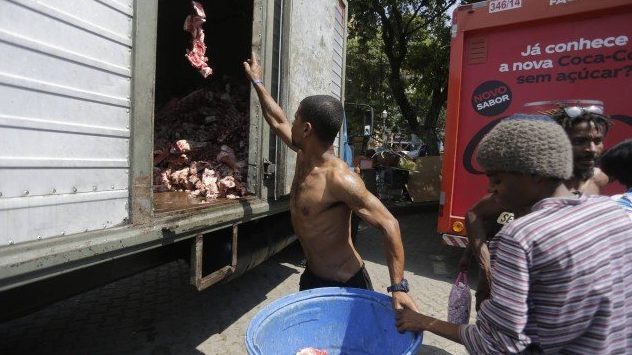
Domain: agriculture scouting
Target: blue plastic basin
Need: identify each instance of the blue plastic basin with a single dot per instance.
(339, 320)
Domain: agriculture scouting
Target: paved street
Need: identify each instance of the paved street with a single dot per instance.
(157, 311)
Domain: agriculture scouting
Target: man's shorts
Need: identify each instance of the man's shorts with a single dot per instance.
(360, 280)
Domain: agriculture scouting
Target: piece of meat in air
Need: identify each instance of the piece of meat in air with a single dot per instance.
(197, 54)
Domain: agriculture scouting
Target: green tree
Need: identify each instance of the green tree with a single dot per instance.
(404, 43)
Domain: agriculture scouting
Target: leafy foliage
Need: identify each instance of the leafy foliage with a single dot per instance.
(397, 60)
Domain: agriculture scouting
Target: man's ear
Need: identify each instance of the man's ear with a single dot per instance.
(307, 129)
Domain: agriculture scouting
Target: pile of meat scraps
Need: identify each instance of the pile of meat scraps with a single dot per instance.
(197, 54)
(201, 144)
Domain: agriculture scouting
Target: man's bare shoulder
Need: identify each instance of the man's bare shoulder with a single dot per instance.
(600, 178)
(339, 173)
(344, 183)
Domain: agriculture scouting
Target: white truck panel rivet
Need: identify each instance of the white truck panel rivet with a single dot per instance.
(63, 233)
(127, 110)
(74, 189)
(10, 242)
(26, 192)
(94, 188)
(39, 237)
(54, 191)
(112, 187)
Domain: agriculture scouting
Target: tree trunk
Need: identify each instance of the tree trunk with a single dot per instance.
(396, 49)
(429, 136)
(428, 132)
(399, 94)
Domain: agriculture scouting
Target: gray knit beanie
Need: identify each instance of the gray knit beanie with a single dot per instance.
(530, 144)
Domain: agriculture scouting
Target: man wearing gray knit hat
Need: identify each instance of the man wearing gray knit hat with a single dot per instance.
(530, 144)
(520, 148)
(544, 150)
(560, 269)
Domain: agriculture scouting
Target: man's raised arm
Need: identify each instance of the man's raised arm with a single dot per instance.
(272, 112)
(349, 188)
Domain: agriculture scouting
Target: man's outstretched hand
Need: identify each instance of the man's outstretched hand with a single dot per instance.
(253, 69)
(416, 322)
(407, 319)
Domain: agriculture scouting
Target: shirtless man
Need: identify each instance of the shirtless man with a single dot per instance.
(324, 192)
(586, 128)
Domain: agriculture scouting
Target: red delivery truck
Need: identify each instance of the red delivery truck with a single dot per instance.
(518, 56)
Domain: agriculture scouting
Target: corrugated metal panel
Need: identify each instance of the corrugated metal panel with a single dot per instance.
(42, 216)
(64, 116)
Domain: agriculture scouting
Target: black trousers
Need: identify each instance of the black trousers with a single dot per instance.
(360, 280)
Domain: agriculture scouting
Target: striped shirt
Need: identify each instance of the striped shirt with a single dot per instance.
(626, 201)
(559, 277)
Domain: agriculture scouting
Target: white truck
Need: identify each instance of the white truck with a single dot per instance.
(80, 82)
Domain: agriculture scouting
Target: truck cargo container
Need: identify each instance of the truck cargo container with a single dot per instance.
(81, 86)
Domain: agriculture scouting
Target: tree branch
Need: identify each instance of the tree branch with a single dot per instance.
(414, 15)
(387, 31)
(433, 18)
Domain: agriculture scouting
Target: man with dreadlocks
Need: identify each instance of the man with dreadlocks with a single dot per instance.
(586, 128)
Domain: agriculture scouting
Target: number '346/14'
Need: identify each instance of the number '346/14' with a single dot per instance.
(500, 5)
